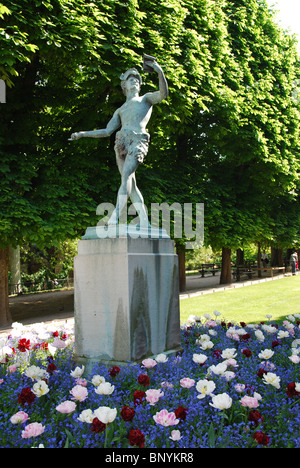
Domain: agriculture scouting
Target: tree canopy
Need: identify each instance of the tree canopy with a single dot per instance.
(228, 135)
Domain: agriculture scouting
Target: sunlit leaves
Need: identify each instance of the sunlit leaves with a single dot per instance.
(228, 134)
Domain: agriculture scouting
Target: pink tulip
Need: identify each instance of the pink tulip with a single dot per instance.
(66, 407)
(33, 430)
(19, 418)
(211, 324)
(149, 363)
(249, 402)
(175, 435)
(152, 396)
(164, 418)
(59, 344)
(187, 382)
(79, 393)
(294, 358)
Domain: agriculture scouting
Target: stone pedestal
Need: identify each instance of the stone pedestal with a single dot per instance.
(126, 299)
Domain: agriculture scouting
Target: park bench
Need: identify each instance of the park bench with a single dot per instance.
(271, 269)
(243, 271)
(209, 268)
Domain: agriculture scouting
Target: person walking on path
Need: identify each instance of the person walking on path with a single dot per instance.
(293, 262)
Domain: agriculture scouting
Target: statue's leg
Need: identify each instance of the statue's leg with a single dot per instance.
(130, 152)
(114, 218)
(138, 202)
(138, 151)
(127, 169)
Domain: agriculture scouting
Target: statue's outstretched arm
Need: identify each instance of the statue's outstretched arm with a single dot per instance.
(112, 126)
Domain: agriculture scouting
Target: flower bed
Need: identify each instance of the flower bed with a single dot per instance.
(234, 385)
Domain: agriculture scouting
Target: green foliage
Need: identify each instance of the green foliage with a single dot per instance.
(227, 136)
(62, 256)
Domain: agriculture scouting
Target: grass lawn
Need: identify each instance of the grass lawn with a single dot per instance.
(250, 304)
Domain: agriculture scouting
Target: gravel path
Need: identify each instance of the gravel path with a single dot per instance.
(59, 305)
(42, 307)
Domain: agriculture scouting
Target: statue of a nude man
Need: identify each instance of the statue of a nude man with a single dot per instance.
(132, 140)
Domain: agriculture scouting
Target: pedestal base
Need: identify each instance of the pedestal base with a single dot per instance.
(126, 300)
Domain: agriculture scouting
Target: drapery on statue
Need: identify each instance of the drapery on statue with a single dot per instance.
(132, 140)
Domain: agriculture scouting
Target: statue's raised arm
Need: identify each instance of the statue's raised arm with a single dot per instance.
(151, 64)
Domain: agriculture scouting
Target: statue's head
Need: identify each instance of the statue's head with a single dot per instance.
(124, 77)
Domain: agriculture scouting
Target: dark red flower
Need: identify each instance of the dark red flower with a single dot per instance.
(275, 343)
(136, 438)
(127, 413)
(181, 413)
(255, 417)
(26, 396)
(245, 337)
(249, 389)
(243, 324)
(114, 371)
(291, 390)
(51, 368)
(217, 353)
(97, 426)
(42, 346)
(144, 380)
(261, 438)
(138, 397)
(23, 345)
(261, 373)
(246, 352)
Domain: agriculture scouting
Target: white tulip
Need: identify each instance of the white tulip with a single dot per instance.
(221, 401)
(205, 387)
(105, 414)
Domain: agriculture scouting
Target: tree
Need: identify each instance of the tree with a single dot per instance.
(58, 57)
(253, 138)
(44, 195)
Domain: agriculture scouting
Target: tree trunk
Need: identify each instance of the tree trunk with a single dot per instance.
(239, 257)
(181, 271)
(180, 251)
(276, 257)
(5, 317)
(259, 260)
(15, 270)
(226, 266)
